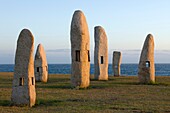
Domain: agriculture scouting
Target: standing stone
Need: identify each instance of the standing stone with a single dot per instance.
(117, 58)
(80, 51)
(146, 68)
(100, 54)
(40, 65)
(23, 89)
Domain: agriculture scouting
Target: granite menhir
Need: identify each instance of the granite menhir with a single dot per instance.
(100, 54)
(40, 65)
(146, 67)
(23, 88)
(80, 51)
(116, 63)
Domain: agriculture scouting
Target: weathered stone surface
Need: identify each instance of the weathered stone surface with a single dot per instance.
(146, 68)
(80, 51)
(117, 58)
(23, 89)
(40, 65)
(100, 54)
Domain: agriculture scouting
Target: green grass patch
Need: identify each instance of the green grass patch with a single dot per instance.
(118, 94)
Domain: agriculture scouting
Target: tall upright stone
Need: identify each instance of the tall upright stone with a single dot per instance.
(100, 54)
(23, 89)
(146, 67)
(80, 51)
(117, 58)
(40, 65)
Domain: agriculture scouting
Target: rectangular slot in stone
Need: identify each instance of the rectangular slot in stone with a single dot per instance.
(21, 81)
(46, 68)
(102, 60)
(32, 79)
(88, 56)
(147, 64)
(78, 55)
(38, 69)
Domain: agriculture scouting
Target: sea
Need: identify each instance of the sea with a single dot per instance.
(126, 69)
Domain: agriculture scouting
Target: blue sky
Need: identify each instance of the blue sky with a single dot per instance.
(126, 22)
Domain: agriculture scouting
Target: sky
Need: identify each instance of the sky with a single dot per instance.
(126, 22)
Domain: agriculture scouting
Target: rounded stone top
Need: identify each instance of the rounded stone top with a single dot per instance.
(79, 23)
(149, 40)
(150, 37)
(78, 12)
(117, 57)
(98, 27)
(100, 34)
(26, 32)
(147, 53)
(26, 38)
(40, 54)
(40, 46)
(78, 15)
(117, 52)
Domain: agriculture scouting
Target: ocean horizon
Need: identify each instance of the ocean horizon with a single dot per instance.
(130, 69)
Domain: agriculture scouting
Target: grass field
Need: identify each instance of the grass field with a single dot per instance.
(119, 94)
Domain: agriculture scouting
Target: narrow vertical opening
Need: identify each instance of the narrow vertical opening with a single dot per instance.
(38, 70)
(101, 60)
(21, 81)
(32, 79)
(78, 55)
(147, 64)
(88, 56)
(46, 68)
